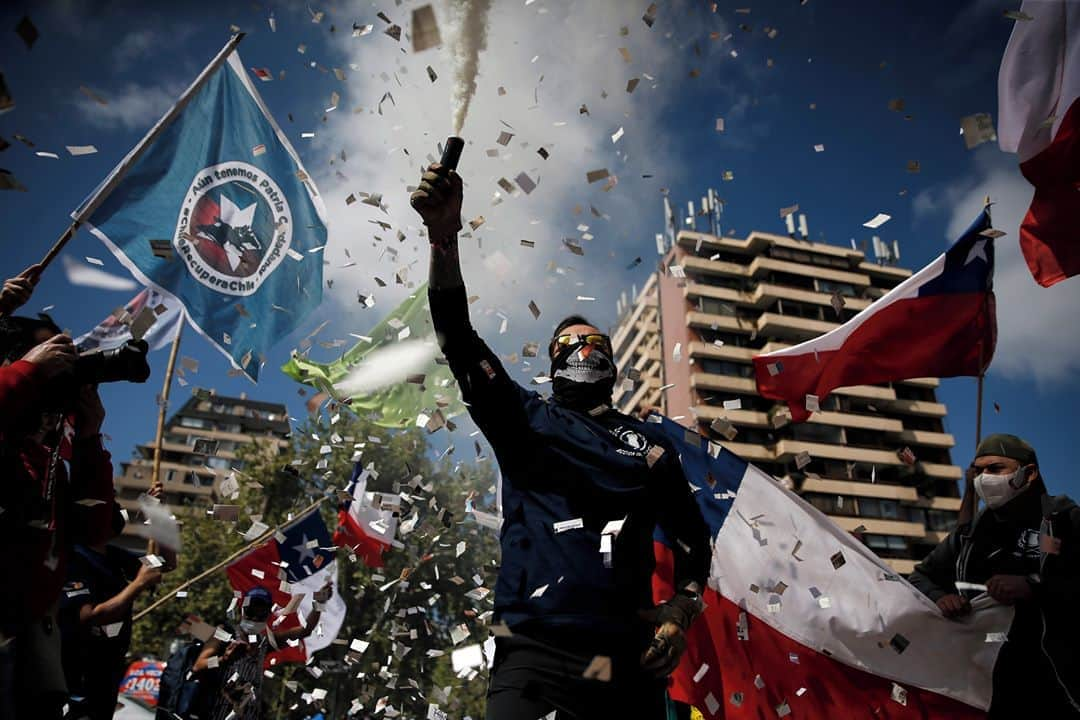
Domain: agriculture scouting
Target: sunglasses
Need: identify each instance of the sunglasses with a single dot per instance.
(603, 342)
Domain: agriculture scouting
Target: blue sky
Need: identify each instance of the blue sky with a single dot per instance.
(846, 58)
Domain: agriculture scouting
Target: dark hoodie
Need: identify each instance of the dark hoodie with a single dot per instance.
(561, 465)
(1038, 666)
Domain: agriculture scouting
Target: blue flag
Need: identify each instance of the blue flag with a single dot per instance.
(213, 207)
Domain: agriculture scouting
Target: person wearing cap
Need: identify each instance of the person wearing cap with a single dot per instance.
(1024, 547)
(103, 582)
(236, 667)
(583, 489)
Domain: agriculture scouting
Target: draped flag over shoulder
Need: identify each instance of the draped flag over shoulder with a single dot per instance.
(801, 615)
(214, 207)
(393, 372)
(297, 561)
(1039, 120)
(940, 322)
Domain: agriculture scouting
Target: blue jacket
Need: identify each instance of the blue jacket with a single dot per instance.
(561, 465)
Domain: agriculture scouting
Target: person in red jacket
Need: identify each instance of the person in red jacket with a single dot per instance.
(55, 476)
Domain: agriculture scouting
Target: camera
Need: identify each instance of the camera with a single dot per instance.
(124, 363)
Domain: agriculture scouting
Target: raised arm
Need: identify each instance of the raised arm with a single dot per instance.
(494, 399)
(438, 200)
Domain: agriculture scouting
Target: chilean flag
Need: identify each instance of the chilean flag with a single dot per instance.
(938, 323)
(802, 618)
(363, 528)
(298, 560)
(1039, 119)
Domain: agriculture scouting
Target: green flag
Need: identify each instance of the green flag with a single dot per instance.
(401, 403)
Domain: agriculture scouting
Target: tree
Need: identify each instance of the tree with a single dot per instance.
(404, 612)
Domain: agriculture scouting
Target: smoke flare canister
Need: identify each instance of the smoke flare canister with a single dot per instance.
(452, 152)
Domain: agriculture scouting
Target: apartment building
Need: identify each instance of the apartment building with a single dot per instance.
(199, 450)
(880, 461)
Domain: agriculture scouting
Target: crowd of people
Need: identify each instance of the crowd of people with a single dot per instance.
(67, 595)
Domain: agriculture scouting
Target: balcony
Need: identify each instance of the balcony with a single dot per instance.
(897, 528)
(929, 439)
(749, 418)
(774, 324)
(730, 383)
(900, 565)
(788, 449)
(861, 489)
(917, 407)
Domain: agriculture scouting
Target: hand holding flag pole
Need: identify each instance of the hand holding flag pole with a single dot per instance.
(210, 571)
(118, 174)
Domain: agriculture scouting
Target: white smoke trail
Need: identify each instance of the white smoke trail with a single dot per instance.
(468, 40)
(388, 366)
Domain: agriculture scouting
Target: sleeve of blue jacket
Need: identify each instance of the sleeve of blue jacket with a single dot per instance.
(679, 516)
(496, 402)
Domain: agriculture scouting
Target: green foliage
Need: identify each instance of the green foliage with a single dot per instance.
(405, 610)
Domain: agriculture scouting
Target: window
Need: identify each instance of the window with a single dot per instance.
(916, 515)
(831, 504)
(913, 392)
(940, 520)
(869, 507)
(725, 367)
(885, 543)
(734, 339)
(230, 427)
(890, 510)
(813, 432)
(830, 287)
(217, 463)
(724, 281)
(798, 309)
(192, 422)
(791, 280)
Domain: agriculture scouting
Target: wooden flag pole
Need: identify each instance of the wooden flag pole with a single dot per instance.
(118, 173)
(206, 573)
(155, 475)
(163, 409)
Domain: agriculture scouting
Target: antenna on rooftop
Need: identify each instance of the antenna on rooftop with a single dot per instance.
(790, 221)
(691, 221)
(803, 229)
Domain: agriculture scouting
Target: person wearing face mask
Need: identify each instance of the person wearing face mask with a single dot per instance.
(583, 488)
(1024, 547)
(232, 672)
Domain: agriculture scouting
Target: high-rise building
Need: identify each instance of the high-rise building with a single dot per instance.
(199, 449)
(879, 456)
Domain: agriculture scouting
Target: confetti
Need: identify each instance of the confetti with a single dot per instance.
(977, 129)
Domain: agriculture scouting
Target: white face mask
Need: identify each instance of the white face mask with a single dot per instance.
(251, 627)
(996, 490)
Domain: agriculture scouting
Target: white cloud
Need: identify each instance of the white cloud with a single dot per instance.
(551, 60)
(149, 43)
(135, 107)
(1036, 339)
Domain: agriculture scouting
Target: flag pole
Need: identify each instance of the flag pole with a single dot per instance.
(210, 571)
(155, 473)
(118, 173)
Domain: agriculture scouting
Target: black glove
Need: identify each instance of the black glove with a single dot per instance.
(673, 618)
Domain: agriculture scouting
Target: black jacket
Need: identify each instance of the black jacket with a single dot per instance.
(560, 468)
(1037, 536)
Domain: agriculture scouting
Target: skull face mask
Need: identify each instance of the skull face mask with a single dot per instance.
(582, 371)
